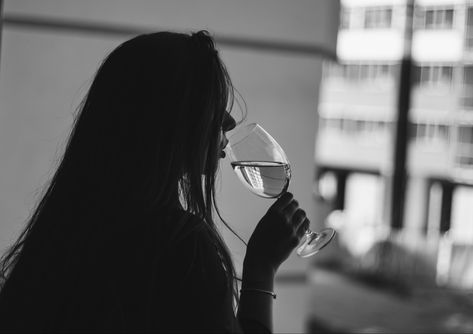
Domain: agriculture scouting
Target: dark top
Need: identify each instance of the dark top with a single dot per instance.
(160, 274)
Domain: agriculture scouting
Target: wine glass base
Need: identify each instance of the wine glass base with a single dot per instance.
(314, 242)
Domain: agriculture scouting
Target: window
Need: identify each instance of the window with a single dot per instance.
(429, 18)
(468, 75)
(363, 72)
(360, 126)
(469, 18)
(353, 127)
(435, 18)
(349, 126)
(376, 18)
(332, 70)
(352, 72)
(345, 18)
(421, 131)
(466, 98)
(469, 28)
(465, 134)
(465, 160)
(330, 123)
(334, 123)
(464, 149)
(433, 75)
(429, 132)
(446, 74)
(443, 132)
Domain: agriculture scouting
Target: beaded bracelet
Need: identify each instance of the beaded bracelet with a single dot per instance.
(271, 293)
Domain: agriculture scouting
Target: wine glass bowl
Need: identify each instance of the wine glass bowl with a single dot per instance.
(263, 167)
(259, 162)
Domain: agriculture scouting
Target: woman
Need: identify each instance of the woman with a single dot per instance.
(123, 239)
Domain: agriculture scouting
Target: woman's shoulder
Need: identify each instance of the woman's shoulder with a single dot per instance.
(191, 231)
(188, 250)
(181, 231)
(192, 279)
(178, 224)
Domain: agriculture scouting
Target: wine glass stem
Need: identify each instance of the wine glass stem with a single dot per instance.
(310, 233)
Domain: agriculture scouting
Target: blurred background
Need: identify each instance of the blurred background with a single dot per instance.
(372, 101)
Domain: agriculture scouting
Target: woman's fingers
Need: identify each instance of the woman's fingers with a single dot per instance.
(303, 227)
(278, 233)
(298, 218)
(283, 201)
(294, 213)
(300, 223)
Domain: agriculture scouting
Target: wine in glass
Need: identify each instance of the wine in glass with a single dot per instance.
(262, 166)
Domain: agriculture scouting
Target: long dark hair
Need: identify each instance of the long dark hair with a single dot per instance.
(147, 132)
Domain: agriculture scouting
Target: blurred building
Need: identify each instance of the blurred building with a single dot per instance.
(358, 107)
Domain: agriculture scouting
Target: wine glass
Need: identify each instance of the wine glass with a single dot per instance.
(262, 166)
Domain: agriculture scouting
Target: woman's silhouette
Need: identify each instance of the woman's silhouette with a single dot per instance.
(123, 238)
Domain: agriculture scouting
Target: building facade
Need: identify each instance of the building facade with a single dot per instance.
(358, 111)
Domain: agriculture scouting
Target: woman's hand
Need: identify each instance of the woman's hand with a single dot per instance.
(276, 236)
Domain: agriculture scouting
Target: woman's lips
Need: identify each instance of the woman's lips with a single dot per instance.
(224, 145)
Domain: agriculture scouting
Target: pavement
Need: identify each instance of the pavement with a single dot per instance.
(338, 303)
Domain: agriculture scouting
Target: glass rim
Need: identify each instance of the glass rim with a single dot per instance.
(242, 133)
(248, 127)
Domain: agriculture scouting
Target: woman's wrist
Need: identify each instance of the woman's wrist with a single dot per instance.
(258, 277)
